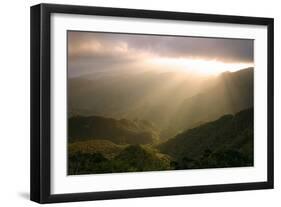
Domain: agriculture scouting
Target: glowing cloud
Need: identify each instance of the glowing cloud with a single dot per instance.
(200, 66)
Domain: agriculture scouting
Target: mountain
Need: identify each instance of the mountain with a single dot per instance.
(171, 101)
(230, 93)
(227, 141)
(143, 158)
(133, 95)
(133, 158)
(107, 148)
(123, 131)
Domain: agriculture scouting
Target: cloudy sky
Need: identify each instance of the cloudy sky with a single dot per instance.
(89, 52)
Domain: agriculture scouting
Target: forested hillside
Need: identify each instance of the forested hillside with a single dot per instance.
(225, 142)
(121, 131)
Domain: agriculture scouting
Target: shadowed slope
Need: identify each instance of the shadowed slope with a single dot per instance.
(214, 144)
(117, 131)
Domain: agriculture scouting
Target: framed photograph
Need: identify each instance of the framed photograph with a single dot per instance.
(133, 103)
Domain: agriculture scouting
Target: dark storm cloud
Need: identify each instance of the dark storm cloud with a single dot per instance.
(89, 51)
(227, 50)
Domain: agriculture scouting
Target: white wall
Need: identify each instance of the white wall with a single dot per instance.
(14, 102)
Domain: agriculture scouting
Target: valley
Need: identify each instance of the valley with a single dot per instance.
(225, 142)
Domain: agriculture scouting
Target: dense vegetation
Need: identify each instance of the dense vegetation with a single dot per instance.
(225, 142)
(117, 131)
(132, 159)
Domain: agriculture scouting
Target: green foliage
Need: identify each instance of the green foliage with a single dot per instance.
(142, 159)
(86, 163)
(226, 142)
(132, 159)
(106, 148)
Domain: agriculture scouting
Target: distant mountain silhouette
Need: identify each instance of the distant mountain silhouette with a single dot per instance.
(168, 100)
(232, 92)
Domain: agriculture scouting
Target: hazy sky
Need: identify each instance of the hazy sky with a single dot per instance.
(89, 52)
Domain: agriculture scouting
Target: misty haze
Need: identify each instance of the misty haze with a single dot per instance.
(154, 102)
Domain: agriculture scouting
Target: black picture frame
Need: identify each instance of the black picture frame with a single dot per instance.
(41, 96)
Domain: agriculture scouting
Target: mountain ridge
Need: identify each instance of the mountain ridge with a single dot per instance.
(228, 134)
(121, 131)
(147, 95)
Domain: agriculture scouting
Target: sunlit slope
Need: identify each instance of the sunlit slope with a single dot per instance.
(106, 148)
(133, 158)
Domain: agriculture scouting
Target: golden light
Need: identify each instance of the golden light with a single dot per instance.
(200, 66)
